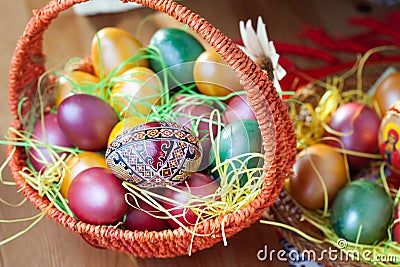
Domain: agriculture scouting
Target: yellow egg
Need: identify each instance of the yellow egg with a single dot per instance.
(79, 163)
(213, 76)
(387, 92)
(111, 47)
(124, 124)
(136, 91)
(73, 82)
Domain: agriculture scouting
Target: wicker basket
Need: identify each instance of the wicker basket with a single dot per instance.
(28, 63)
(287, 211)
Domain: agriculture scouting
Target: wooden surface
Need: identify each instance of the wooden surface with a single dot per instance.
(47, 244)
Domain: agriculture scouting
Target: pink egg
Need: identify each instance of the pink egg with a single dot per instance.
(238, 109)
(96, 196)
(196, 117)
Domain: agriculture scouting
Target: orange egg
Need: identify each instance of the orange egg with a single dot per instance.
(123, 125)
(79, 163)
(387, 92)
(136, 91)
(317, 166)
(111, 47)
(75, 82)
(213, 76)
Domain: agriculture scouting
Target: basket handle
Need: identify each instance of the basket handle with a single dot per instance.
(23, 77)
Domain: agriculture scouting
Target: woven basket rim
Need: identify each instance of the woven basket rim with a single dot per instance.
(27, 64)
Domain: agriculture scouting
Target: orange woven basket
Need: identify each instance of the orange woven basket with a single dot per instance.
(279, 141)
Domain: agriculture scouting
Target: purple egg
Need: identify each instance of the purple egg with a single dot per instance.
(87, 121)
(145, 217)
(47, 131)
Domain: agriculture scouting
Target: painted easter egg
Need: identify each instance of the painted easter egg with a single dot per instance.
(154, 154)
(388, 138)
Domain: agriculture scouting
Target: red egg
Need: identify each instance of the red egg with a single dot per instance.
(96, 196)
(358, 126)
(145, 217)
(87, 121)
(238, 109)
(197, 184)
(48, 132)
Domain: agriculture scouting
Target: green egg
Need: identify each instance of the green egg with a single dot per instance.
(361, 212)
(239, 138)
(179, 50)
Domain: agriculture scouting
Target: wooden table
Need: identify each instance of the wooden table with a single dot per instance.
(48, 244)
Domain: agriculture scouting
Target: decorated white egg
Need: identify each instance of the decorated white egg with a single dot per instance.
(388, 138)
(154, 154)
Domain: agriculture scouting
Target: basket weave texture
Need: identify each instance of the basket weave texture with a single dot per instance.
(28, 63)
(287, 211)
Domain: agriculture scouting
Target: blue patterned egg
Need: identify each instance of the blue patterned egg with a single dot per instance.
(154, 154)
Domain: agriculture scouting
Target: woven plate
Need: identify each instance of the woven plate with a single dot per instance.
(276, 128)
